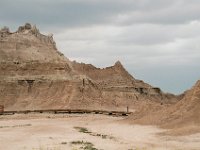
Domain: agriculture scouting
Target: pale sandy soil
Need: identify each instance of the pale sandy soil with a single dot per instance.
(57, 132)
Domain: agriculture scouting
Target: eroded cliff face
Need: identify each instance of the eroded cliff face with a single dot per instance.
(118, 85)
(35, 75)
(28, 45)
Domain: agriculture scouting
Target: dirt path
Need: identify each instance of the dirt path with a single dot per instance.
(74, 132)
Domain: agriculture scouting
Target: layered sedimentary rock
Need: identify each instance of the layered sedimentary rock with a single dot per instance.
(117, 84)
(35, 75)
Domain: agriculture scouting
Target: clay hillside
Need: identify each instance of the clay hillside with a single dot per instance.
(185, 112)
(35, 75)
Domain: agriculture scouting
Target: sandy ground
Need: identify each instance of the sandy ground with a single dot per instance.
(60, 132)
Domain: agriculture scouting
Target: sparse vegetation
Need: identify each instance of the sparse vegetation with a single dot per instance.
(84, 145)
(63, 143)
(15, 126)
(85, 130)
(77, 142)
(82, 129)
(42, 147)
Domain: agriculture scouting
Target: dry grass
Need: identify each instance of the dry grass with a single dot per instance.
(84, 145)
(85, 130)
(16, 126)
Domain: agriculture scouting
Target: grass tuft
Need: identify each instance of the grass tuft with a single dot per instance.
(82, 129)
(84, 145)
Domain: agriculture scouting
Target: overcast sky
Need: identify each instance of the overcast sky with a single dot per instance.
(157, 41)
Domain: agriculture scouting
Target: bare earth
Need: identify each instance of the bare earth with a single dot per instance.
(63, 132)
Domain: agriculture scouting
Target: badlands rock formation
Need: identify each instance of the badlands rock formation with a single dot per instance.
(185, 112)
(35, 75)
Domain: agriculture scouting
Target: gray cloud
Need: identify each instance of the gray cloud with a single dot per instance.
(176, 12)
(63, 13)
(78, 13)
